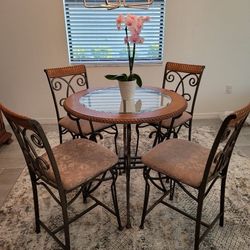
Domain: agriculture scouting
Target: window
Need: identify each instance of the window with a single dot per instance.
(93, 37)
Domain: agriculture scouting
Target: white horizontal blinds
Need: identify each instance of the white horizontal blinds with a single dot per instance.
(93, 36)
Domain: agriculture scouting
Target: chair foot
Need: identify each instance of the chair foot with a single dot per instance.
(141, 226)
(85, 195)
(38, 229)
(221, 221)
(172, 188)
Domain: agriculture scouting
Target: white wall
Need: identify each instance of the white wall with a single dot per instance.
(213, 33)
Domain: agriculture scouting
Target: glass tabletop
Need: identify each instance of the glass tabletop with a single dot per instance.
(109, 100)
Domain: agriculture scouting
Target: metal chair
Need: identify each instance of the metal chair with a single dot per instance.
(184, 79)
(63, 82)
(65, 171)
(191, 165)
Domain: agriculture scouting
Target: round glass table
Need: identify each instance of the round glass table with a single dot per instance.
(109, 101)
(105, 105)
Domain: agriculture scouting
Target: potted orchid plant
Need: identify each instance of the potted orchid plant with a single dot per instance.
(133, 25)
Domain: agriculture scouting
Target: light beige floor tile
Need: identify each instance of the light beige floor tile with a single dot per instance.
(8, 178)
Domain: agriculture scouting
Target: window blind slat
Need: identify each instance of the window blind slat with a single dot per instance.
(92, 34)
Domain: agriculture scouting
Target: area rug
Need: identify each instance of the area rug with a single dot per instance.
(164, 228)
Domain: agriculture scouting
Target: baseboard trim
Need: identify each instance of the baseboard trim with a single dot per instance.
(46, 120)
(207, 115)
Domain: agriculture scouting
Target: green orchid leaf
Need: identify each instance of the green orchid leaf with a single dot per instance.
(111, 77)
(122, 77)
(137, 78)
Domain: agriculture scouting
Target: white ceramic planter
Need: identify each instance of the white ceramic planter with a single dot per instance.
(127, 106)
(127, 89)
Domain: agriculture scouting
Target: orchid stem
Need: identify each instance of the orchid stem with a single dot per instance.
(133, 58)
(129, 57)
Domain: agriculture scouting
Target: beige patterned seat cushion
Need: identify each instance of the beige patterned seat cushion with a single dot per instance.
(71, 125)
(80, 160)
(179, 159)
(181, 120)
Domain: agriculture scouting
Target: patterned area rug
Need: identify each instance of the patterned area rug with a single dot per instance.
(164, 228)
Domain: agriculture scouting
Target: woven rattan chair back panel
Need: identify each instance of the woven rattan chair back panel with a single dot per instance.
(33, 143)
(64, 82)
(224, 143)
(183, 79)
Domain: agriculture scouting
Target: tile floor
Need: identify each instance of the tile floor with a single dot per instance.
(12, 162)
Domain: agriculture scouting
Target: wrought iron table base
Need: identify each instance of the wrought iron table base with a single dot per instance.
(128, 162)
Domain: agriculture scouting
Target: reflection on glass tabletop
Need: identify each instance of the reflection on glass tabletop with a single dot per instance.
(109, 100)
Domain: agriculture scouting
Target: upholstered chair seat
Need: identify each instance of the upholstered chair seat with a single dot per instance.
(79, 161)
(185, 117)
(71, 125)
(187, 167)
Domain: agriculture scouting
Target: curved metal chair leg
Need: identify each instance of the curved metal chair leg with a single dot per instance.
(146, 199)
(190, 130)
(114, 197)
(172, 188)
(85, 194)
(36, 205)
(93, 137)
(66, 226)
(60, 134)
(198, 222)
(222, 200)
(175, 134)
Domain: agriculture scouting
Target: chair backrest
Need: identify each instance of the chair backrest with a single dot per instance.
(221, 151)
(183, 79)
(65, 81)
(34, 143)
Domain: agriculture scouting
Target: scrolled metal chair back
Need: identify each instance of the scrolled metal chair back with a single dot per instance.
(183, 79)
(65, 81)
(33, 143)
(221, 151)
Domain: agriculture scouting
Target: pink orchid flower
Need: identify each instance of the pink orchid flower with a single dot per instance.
(133, 25)
(136, 39)
(119, 21)
(130, 20)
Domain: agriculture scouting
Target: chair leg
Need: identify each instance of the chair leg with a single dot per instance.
(93, 137)
(198, 222)
(114, 197)
(190, 130)
(146, 198)
(36, 205)
(60, 134)
(85, 194)
(66, 225)
(156, 139)
(175, 135)
(222, 201)
(172, 188)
